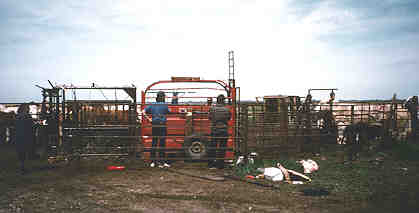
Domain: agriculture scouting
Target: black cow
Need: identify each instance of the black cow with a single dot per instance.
(360, 134)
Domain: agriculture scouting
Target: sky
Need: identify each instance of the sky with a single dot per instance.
(366, 49)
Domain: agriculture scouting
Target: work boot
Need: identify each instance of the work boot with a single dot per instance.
(211, 164)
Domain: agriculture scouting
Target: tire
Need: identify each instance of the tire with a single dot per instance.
(196, 147)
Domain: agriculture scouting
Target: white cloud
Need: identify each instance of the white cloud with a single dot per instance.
(277, 51)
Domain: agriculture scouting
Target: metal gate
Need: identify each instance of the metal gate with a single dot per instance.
(281, 125)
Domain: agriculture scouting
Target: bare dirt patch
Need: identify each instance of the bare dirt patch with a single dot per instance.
(88, 186)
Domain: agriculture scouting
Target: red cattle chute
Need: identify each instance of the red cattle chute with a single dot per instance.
(188, 122)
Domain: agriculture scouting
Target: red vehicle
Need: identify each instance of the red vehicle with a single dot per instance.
(188, 127)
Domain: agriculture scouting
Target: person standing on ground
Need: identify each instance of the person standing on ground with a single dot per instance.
(2, 133)
(158, 112)
(24, 134)
(412, 107)
(219, 115)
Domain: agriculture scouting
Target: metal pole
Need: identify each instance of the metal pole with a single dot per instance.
(246, 128)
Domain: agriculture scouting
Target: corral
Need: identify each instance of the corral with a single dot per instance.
(82, 128)
(81, 137)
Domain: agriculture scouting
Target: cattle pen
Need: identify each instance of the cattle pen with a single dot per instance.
(73, 129)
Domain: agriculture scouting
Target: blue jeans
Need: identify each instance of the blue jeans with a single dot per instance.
(159, 132)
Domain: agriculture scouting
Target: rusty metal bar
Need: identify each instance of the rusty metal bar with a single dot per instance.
(184, 88)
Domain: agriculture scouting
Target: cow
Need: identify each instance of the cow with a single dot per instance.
(358, 135)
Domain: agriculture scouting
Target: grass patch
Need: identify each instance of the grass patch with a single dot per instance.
(251, 168)
(381, 181)
(406, 151)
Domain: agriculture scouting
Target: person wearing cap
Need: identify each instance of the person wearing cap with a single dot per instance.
(158, 120)
(219, 115)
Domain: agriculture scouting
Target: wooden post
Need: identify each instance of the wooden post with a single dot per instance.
(362, 112)
(254, 114)
(414, 118)
(395, 117)
(283, 115)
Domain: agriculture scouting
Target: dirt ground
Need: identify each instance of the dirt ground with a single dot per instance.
(87, 186)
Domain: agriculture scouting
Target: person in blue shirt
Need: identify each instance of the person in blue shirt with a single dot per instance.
(158, 112)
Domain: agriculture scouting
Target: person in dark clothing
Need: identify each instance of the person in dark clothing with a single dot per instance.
(219, 115)
(24, 134)
(412, 107)
(175, 98)
(7, 121)
(158, 112)
(2, 133)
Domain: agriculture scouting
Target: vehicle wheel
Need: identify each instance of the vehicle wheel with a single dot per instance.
(196, 147)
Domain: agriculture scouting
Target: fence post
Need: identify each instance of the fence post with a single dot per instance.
(395, 123)
(362, 112)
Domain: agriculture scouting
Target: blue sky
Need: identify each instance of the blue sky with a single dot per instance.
(367, 49)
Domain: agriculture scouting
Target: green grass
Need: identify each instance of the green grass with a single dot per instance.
(406, 151)
(381, 181)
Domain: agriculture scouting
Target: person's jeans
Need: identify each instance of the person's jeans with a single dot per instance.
(159, 132)
(219, 137)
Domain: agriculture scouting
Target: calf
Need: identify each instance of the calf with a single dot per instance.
(360, 134)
